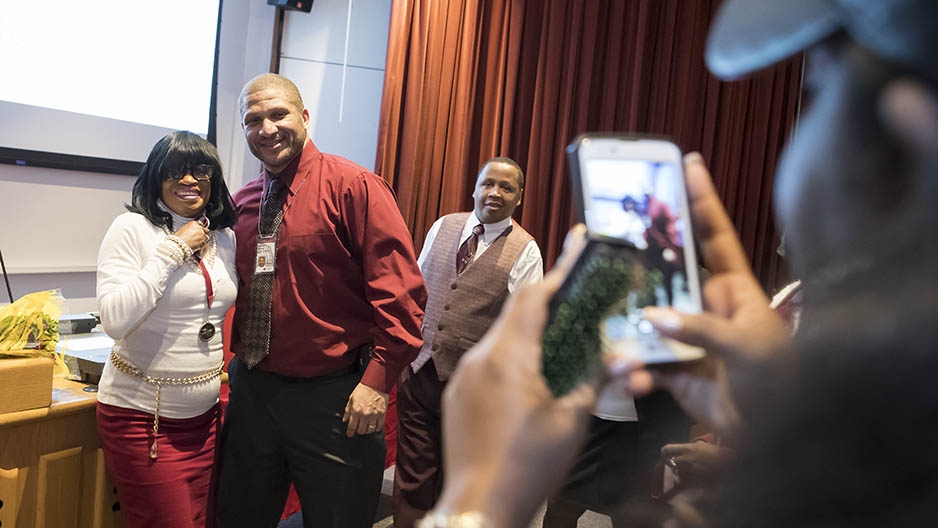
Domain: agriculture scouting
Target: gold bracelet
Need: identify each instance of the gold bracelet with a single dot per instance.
(472, 519)
(168, 248)
(183, 247)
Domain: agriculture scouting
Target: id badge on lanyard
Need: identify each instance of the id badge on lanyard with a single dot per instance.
(265, 254)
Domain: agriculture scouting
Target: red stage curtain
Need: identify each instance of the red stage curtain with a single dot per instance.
(467, 80)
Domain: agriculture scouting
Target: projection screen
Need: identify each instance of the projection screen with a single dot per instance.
(92, 85)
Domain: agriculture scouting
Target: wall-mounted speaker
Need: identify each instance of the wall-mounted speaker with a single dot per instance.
(293, 5)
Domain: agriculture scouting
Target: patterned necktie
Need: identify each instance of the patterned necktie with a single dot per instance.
(468, 249)
(255, 334)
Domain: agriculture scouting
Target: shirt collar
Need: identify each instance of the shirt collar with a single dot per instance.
(495, 228)
(288, 175)
(178, 220)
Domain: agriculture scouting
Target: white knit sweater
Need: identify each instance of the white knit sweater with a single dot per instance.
(153, 308)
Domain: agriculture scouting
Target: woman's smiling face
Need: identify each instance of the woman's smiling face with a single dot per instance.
(186, 196)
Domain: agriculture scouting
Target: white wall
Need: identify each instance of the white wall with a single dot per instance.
(52, 221)
(313, 52)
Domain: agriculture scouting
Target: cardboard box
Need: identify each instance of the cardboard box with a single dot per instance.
(25, 383)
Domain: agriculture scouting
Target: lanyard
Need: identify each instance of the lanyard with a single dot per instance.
(207, 330)
(209, 291)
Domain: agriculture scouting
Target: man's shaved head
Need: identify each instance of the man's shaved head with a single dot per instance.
(270, 81)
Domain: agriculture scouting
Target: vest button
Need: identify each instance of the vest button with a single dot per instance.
(453, 286)
(446, 307)
(439, 327)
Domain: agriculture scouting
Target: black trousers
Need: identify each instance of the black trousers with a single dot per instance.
(279, 430)
(614, 470)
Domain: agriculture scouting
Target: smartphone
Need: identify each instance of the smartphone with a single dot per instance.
(630, 193)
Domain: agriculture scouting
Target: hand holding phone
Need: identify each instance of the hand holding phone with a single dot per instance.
(629, 191)
(599, 279)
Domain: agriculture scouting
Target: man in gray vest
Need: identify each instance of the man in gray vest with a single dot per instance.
(471, 263)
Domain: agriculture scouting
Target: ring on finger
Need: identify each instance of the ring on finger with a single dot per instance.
(672, 462)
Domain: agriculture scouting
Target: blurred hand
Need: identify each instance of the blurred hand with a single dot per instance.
(507, 442)
(365, 411)
(698, 463)
(194, 234)
(738, 328)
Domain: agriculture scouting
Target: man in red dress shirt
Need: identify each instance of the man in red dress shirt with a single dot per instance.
(309, 388)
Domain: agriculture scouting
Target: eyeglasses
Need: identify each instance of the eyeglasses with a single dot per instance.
(199, 172)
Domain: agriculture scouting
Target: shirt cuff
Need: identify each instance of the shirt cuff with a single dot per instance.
(381, 376)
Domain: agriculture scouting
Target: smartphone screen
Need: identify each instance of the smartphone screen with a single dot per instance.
(633, 192)
(630, 194)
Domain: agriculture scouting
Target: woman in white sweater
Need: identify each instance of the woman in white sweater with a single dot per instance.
(166, 277)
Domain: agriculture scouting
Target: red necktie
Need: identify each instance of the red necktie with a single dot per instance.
(468, 249)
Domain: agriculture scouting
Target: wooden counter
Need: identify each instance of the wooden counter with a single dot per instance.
(52, 472)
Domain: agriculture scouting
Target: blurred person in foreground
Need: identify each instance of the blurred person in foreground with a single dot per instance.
(837, 427)
(166, 277)
(687, 471)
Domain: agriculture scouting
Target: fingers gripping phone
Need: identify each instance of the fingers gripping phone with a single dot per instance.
(630, 193)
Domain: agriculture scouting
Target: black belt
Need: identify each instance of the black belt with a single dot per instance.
(362, 357)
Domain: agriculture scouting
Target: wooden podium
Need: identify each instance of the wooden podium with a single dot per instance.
(52, 471)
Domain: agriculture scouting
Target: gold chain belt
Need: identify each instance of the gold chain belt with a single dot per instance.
(124, 366)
